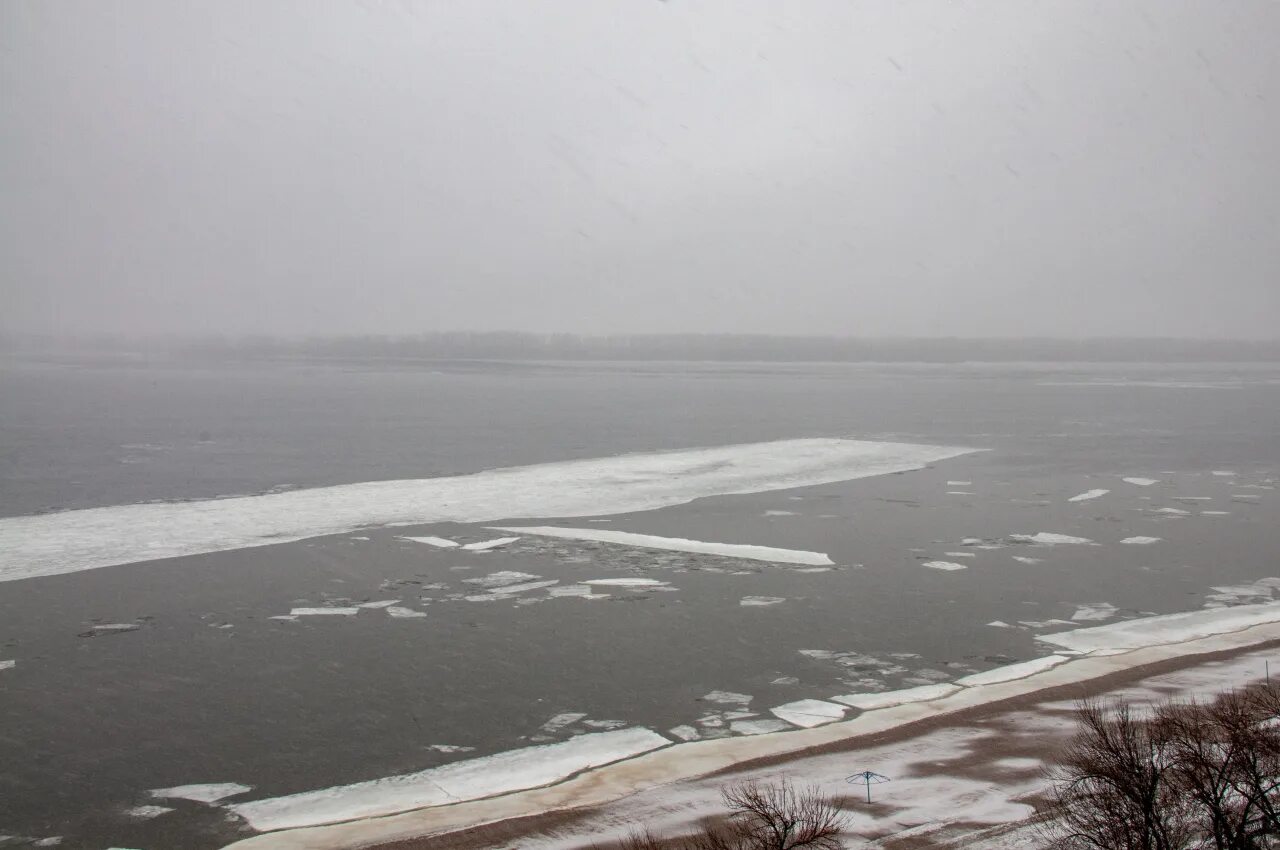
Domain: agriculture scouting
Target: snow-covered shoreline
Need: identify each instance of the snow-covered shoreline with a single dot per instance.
(1174, 637)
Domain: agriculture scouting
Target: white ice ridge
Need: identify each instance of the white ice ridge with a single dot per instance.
(1090, 494)
(675, 544)
(1165, 629)
(473, 779)
(69, 541)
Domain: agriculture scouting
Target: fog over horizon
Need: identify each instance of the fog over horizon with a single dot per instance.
(1002, 169)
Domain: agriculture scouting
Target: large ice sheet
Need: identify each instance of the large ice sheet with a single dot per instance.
(68, 541)
(1169, 628)
(1012, 671)
(888, 699)
(676, 544)
(473, 779)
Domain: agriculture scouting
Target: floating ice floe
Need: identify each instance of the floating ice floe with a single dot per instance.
(486, 545)
(999, 624)
(501, 578)
(1215, 513)
(473, 779)
(382, 603)
(324, 612)
(115, 628)
(146, 812)
(525, 586)
(1223, 473)
(1012, 671)
(1094, 611)
(576, 591)
(438, 542)
(401, 613)
(8, 665)
(888, 699)
(1045, 538)
(807, 713)
(959, 483)
(69, 541)
(626, 582)
(1023, 559)
(944, 565)
(1165, 629)
(1088, 495)
(960, 493)
(684, 733)
(1171, 511)
(960, 554)
(779, 513)
(568, 718)
(1141, 482)
(449, 748)
(209, 792)
(1140, 540)
(760, 601)
(675, 544)
(727, 698)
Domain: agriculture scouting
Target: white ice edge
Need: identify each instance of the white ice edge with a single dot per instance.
(1175, 635)
(69, 541)
(465, 780)
(676, 544)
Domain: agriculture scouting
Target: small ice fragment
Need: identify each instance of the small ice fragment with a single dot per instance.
(960, 554)
(785, 681)
(384, 603)
(1223, 473)
(959, 483)
(438, 542)
(813, 570)
(359, 538)
(323, 612)
(727, 698)
(757, 727)
(486, 545)
(625, 582)
(1000, 624)
(146, 812)
(576, 590)
(1171, 511)
(1090, 494)
(211, 792)
(1215, 513)
(1140, 540)
(779, 513)
(684, 733)
(1023, 559)
(449, 748)
(402, 613)
(529, 585)
(1044, 538)
(1141, 482)
(758, 601)
(960, 493)
(51, 841)
(116, 627)
(286, 617)
(809, 712)
(8, 665)
(944, 565)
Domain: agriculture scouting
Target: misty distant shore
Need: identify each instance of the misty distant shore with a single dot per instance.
(523, 346)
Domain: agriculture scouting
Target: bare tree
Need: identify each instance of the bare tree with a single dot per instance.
(1192, 776)
(762, 817)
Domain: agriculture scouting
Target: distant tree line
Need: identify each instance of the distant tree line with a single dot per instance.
(520, 346)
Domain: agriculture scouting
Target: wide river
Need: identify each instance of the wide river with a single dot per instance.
(1102, 493)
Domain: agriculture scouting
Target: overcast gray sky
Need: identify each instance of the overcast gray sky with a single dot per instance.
(867, 168)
